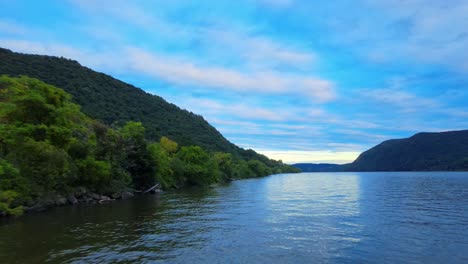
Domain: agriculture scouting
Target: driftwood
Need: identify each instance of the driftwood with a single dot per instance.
(152, 188)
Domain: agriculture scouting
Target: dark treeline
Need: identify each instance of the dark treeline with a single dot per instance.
(47, 145)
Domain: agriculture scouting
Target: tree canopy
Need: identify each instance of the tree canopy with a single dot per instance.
(48, 145)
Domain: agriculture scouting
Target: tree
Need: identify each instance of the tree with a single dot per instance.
(138, 160)
(198, 168)
(259, 168)
(162, 165)
(224, 162)
(6, 200)
(168, 145)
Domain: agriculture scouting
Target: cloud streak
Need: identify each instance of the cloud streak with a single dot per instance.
(277, 75)
(186, 72)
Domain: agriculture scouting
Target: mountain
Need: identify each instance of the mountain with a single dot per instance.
(114, 102)
(318, 167)
(49, 149)
(444, 151)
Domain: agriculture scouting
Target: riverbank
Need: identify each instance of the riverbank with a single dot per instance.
(80, 195)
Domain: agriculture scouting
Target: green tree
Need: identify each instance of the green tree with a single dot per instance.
(6, 200)
(161, 162)
(168, 145)
(198, 168)
(225, 164)
(138, 159)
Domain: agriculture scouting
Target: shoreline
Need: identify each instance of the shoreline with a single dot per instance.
(80, 196)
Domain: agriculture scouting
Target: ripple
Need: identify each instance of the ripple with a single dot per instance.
(293, 218)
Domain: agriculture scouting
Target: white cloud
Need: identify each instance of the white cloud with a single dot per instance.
(403, 99)
(417, 30)
(183, 71)
(258, 51)
(186, 72)
(8, 27)
(277, 3)
(218, 38)
(427, 32)
(95, 59)
(123, 10)
(397, 94)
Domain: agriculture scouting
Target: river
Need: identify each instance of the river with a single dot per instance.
(288, 218)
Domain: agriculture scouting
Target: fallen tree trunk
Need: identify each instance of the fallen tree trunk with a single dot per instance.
(152, 188)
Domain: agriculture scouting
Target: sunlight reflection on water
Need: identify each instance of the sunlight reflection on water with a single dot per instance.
(290, 218)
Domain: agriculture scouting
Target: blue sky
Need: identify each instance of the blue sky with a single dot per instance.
(309, 81)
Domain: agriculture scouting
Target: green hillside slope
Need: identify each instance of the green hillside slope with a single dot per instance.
(114, 102)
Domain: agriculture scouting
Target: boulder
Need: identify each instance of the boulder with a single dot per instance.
(126, 195)
(116, 196)
(42, 205)
(60, 200)
(105, 199)
(94, 196)
(80, 192)
(89, 200)
(72, 199)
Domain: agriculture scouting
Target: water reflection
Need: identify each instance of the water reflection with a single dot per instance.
(313, 215)
(415, 217)
(321, 217)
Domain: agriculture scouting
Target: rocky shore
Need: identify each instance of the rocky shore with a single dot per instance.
(80, 195)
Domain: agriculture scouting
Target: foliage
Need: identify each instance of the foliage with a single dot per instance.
(161, 160)
(47, 145)
(6, 200)
(115, 103)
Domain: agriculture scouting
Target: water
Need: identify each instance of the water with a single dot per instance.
(289, 218)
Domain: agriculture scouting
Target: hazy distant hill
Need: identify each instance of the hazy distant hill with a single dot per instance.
(318, 167)
(444, 151)
(115, 102)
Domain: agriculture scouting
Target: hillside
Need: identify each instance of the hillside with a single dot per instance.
(49, 149)
(114, 102)
(318, 167)
(444, 151)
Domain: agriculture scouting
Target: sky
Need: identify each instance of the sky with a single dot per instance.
(301, 81)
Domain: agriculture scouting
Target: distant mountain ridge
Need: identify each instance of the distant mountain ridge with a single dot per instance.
(318, 167)
(111, 101)
(442, 151)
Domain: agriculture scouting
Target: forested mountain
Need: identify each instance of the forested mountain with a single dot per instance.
(444, 151)
(65, 127)
(318, 167)
(114, 102)
(49, 148)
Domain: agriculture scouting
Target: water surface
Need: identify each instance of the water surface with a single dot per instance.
(288, 218)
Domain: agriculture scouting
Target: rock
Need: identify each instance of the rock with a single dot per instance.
(94, 196)
(157, 190)
(80, 192)
(42, 205)
(126, 195)
(35, 208)
(72, 199)
(105, 199)
(116, 196)
(60, 200)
